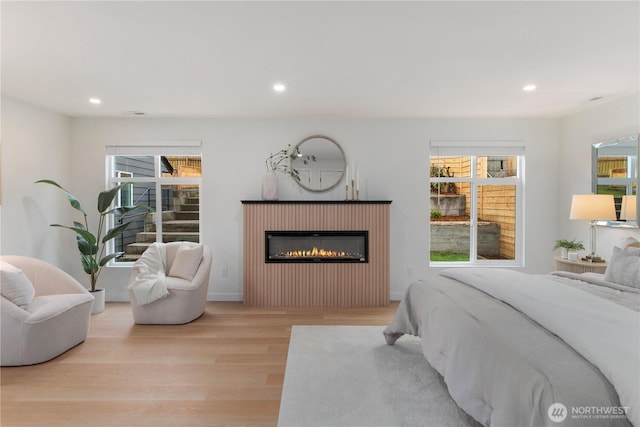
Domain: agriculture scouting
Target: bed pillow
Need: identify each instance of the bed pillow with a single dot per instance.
(186, 262)
(15, 286)
(628, 242)
(624, 268)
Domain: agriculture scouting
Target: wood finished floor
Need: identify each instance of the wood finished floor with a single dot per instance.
(224, 369)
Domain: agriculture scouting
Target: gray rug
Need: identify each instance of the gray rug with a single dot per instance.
(348, 376)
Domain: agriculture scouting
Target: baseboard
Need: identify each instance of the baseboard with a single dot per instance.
(218, 296)
(396, 296)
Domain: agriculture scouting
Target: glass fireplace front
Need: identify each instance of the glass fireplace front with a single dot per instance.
(316, 246)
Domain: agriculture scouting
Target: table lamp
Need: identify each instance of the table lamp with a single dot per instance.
(628, 208)
(592, 207)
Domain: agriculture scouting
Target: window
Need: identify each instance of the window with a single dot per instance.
(164, 177)
(125, 196)
(476, 204)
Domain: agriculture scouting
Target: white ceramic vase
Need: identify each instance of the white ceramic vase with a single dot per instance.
(270, 186)
(564, 253)
(98, 301)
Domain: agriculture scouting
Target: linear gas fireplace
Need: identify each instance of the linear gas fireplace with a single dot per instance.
(335, 265)
(316, 246)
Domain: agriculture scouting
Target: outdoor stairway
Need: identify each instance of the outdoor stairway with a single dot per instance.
(180, 224)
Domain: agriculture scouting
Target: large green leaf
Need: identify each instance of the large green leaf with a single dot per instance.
(89, 265)
(109, 257)
(79, 225)
(115, 232)
(84, 247)
(105, 198)
(86, 235)
(75, 203)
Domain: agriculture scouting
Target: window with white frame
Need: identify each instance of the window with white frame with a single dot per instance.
(125, 195)
(166, 177)
(476, 195)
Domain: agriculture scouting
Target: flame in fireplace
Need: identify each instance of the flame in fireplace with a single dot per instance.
(315, 252)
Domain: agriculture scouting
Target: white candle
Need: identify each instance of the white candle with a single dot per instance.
(346, 176)
(358, 181)
(353, 172)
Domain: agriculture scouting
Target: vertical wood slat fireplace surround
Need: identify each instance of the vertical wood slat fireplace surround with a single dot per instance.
(315, 284)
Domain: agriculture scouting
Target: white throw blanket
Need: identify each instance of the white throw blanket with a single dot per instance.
(150, 283)
(604, 333)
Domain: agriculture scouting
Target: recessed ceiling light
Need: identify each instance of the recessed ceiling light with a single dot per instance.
(529, 88)
(279, 87)
(95, 101)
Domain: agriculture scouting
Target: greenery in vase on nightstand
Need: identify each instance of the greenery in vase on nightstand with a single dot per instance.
(568, 246)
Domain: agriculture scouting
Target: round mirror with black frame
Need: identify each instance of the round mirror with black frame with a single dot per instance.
(320, 163)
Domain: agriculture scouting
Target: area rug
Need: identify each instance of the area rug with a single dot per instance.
(348, 376)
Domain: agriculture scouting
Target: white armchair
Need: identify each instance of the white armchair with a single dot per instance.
(186, 298)
(42, 325)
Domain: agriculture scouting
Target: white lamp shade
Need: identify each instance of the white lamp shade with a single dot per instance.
(628, 208)
(592, 207)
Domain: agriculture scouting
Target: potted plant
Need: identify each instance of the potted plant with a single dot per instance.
(92, 246)
(279, 162)
(567, 246)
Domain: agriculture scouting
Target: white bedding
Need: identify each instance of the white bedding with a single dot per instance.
(595, 284)
(605, 333)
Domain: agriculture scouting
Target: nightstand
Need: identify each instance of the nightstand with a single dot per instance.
(580, 266)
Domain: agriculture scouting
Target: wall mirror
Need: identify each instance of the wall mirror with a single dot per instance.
(320, 163)
(614, 170)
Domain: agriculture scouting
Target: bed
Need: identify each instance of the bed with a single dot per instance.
(517, 349)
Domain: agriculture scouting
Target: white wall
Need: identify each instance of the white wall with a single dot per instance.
(578, 132)
(391, 156)
(35, 145)
(392, 160)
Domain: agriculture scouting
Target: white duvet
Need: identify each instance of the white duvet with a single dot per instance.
(605, 333)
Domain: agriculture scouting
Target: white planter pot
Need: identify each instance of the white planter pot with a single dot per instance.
(98, 301)
(573, 255)
(270, 186)
(564, 253)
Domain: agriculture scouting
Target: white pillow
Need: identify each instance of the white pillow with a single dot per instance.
(627, 242)
(15, 286)
(630, 242)
(624, 268)
(186, 262)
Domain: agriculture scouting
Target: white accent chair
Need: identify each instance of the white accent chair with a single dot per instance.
(186, 299)
(55, 320)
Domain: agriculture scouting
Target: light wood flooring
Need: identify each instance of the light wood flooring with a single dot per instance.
(224, 369)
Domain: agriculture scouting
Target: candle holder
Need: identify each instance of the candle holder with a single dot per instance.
(357, 194)
(346, 192)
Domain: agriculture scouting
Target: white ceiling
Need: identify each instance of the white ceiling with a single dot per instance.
(338, 59)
